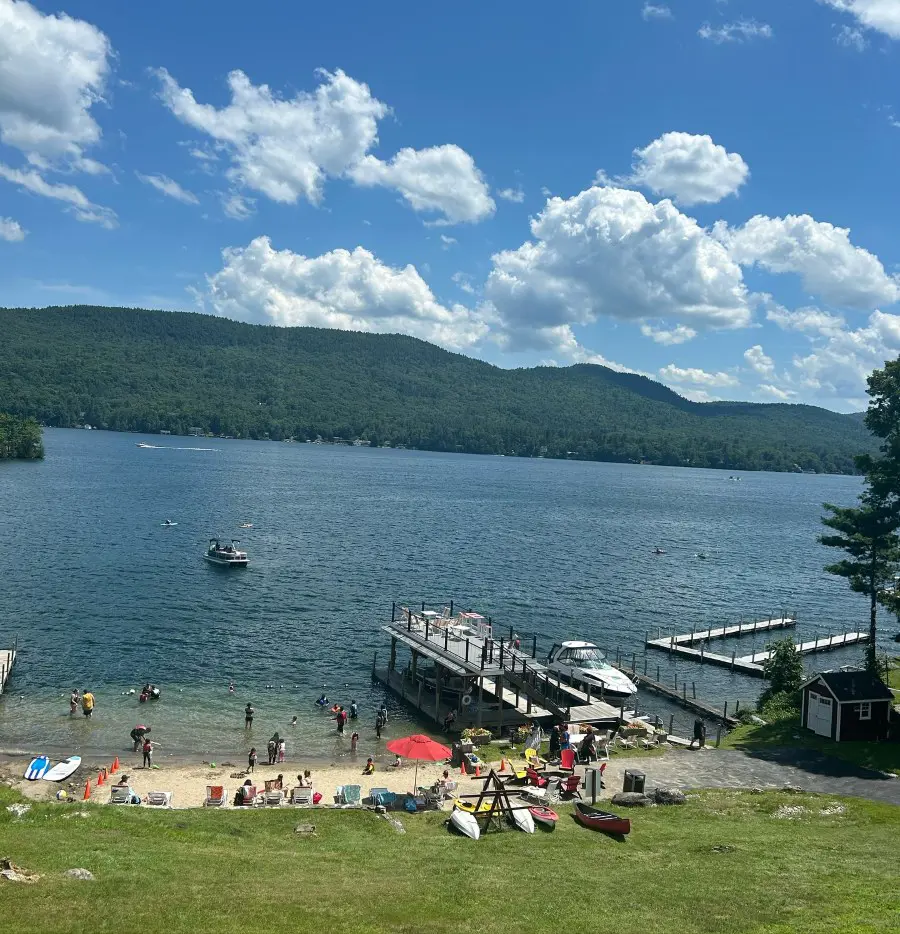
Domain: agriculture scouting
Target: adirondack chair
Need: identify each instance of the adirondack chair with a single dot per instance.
(570, 785)
(567, 760)
(535, 779)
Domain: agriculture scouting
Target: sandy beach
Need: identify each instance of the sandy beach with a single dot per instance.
(188, 782)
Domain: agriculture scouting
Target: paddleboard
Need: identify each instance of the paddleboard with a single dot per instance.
(62, 769)
(36, 768)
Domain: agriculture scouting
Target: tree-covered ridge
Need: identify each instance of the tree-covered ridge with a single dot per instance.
(20, 437)
(131, 369)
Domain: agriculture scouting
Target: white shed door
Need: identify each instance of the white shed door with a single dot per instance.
(818, 714)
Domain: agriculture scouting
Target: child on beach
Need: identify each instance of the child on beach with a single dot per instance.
(148, 752)
(281, 751)
(370, 767)
(251, 760)
(271, 749)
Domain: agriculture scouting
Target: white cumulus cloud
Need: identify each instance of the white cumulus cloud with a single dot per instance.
(516, 195)
(668, 336)
(11, 230)
(852, 37)
(759, 361)
(348, 290)
(828, 264)
(442, 179)
(169, 187)
(740, 31)
(696, 376)
(53, 68)
(810, 321)
(692, 169)
(609, 251)
(881, 15)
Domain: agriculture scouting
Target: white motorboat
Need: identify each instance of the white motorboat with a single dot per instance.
(168, 524)
(226, 555)
(465, 823)
(583, 663)
(143, 444)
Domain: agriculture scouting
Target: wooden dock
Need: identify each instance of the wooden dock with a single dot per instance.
(485, 679)
(682, 699)
(752, 664)
(7, 660)
(784, 621)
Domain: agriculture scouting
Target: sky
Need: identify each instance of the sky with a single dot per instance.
(702, 191)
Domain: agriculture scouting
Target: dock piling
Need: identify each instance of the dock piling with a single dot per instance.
(374, 663)
(671, 723)
(694, 689)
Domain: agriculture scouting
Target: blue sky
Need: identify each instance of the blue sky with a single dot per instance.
(700, 190)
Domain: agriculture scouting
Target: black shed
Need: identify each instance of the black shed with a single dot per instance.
(847, 705)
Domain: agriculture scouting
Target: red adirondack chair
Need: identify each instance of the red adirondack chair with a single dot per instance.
(567, 760)
(535, 779)
(570, 785)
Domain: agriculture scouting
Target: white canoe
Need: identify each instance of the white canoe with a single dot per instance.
(465, 823)
(523, 820)
(62, 769)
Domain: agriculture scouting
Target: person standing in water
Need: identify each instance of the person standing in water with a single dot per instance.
(74, 701)
(354, 710)
(248, 716)
(87, 703)
(138, 734)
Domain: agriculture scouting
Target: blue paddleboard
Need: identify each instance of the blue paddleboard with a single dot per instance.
(37, 768)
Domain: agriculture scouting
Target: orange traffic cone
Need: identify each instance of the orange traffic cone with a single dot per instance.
(99, 778)
(503, 765)
(115, 765)
(478, 771)
(462, 768)
(87, 790)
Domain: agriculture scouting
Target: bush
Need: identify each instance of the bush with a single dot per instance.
(784, 669)
(781, 706)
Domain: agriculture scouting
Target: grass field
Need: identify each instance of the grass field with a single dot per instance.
(722, 863)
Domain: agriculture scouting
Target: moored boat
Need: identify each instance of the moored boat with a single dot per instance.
(226, 555)
(465, 823)
(582, 663)
(595, 819)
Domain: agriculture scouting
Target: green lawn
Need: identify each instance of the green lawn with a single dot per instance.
(722, 863)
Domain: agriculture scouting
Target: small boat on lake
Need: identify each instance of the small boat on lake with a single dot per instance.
(465, 823)
(168, 524)
(143, 444)
(583, 663)
(226, 555)
(595, 819)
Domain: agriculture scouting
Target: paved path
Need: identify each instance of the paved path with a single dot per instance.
(770, 768)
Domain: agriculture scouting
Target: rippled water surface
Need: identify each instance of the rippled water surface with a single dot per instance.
(101, 596)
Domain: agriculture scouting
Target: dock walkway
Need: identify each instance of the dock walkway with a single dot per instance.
(7, 660)
(724, 632)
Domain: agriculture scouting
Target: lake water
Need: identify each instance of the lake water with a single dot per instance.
(101, 596)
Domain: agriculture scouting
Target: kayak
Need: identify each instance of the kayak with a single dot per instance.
(465, 823)
(546, 817)
(595, 819)
(523, 820)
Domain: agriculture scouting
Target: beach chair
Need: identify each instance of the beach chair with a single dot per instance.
(450, 789)
(302, 797)
(120, 794)
(376, 795)
(567, 759)
(274, 797)
(569, 786)
(160, 799)
(352, 794)
(247, 795)
(625, 743)
(216, 796)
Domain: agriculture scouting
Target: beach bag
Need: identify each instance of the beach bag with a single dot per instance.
(317, 797)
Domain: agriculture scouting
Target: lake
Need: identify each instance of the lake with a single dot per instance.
(102, 596)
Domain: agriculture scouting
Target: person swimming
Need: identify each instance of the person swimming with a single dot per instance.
(322, 701)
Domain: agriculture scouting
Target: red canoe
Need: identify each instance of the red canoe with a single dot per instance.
(545, 816)
(595, 819)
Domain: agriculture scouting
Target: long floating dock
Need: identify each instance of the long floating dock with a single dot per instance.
(7, 660)
(682, 699)
(749, 664)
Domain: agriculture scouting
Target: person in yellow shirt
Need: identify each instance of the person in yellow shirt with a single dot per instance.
(87, 703)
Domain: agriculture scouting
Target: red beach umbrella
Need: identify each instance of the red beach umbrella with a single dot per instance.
(419, 748)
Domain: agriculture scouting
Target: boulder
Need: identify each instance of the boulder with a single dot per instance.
(793, 789)
(757, 720)
(85, 875)
(631, 799)
(669, 796)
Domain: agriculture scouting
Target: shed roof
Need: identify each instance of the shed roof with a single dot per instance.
(853, 686)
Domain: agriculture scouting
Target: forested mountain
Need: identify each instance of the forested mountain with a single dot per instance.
(20, 437)
(136, 370)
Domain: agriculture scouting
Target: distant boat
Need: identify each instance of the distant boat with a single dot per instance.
(701, 555)
(658, 551)
(226, 555)
(168, 524)
(142, 444)
(246, 525)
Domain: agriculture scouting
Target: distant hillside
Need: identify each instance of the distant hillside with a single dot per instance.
(129, 369)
